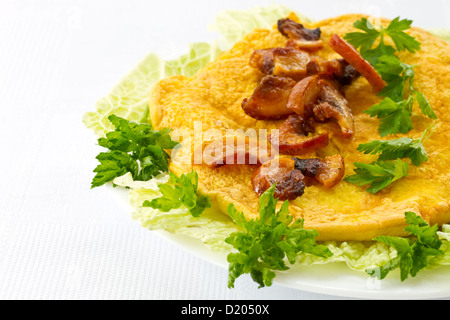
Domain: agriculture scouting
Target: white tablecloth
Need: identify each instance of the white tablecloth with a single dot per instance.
(58, 238)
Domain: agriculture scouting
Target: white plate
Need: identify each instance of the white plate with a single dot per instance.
(331, 279)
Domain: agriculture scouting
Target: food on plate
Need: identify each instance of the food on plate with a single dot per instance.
(297, 136)
(221, 95)
(270, 98)
(353, 152)
(353, 57)
(291, 175)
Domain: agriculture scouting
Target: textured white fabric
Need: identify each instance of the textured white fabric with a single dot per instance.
(58, 238)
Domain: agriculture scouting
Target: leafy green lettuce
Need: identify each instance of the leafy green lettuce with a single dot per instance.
(129, 99)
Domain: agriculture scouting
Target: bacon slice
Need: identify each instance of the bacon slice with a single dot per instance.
(310, 46)
(339, 69)
(316, 97)
(294, 30)
(281, 171)
(270, 98)
(328, 172)
(283, 62)
(263, 60)
(293, 137)
(304, 95)
(353, 57)
(332, 104)
(293, 175)
(237, 150)
(290, 62)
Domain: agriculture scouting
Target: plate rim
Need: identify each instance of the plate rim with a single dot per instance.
(293, 280)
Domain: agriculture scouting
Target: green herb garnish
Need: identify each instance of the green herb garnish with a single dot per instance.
(396, 109)
(399, 94)
(134, 148)
(178, 192)
(264, 243)
(379, 174)
(413, 254)
(366, 39)
(395, 117)
(397, 149)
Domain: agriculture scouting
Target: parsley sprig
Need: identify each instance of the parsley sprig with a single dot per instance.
(378, 175)
(365, 40)
(134, 148)
(400, 95)
(178, 192)
(413, 253)
(264, 244)
(396, 109)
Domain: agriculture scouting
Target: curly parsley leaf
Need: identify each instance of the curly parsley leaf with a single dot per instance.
(402, 40)
(395, 117)
(396, 31)
(397, 149)
(264, 244)
(399, 91)
(396, 74)
(366, 39)
(379, 174)
(134, 148)
(425, 106)
(180, 191)
(414, 253)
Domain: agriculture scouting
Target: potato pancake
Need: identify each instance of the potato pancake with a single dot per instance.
(212, 99)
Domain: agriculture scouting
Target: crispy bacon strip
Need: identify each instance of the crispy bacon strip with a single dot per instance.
(269, 99)
(284, 62)
(293, 137)
(339, 69)
(304, 95)
(263, 60)
(352, 56)
(310, 46)
(292, 175)
(297, 31)
(290, 62)
(332, 104)
(316, 97)
(328, 172)
(236, 150)
(289, 181)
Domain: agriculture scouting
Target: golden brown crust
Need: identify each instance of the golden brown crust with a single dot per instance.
(345, 212)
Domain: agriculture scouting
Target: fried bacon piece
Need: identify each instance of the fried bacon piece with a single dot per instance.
(310, 46)
(304, 95)
(236, 150)
(281, 171)
(332, 104)
(263, 60)
(331, 171)
(292, 175)
(316, 97)
(350, 74)
(293, 137)
(290, 62)
(297, 31)
(283, 62)
(269, 100)
(328, 172)
(327, 67)
(339, 69)
(353, 57)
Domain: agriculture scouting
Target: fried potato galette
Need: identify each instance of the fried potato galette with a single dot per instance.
(249, 87)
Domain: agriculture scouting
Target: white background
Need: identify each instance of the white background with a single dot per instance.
(58, 238)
